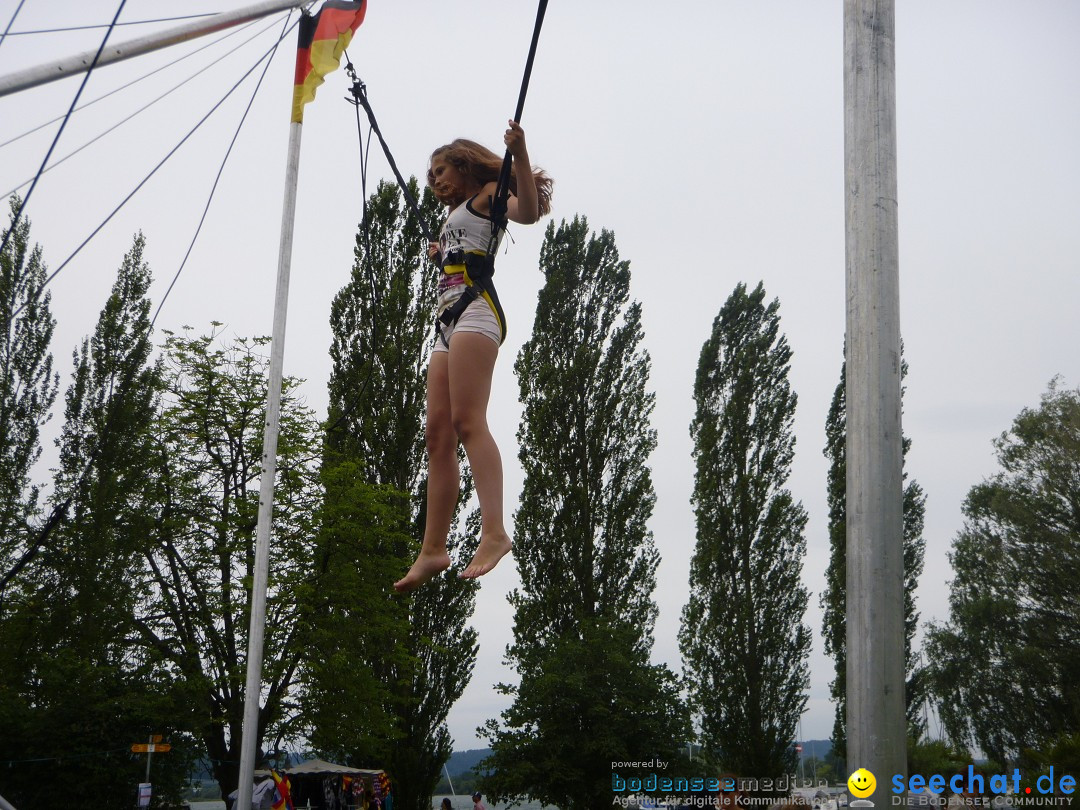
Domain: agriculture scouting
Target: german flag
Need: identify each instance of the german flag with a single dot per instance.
(323, 38)
(283, 799)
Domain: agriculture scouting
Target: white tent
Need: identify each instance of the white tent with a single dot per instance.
(262, 795)
(316, 766)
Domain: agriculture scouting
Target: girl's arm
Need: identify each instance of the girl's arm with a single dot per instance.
(523, 208)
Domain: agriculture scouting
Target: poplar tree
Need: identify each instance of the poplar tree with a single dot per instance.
(28, 388)
(833, 598)
(584, 614)
(414, 654)
(1004, 666)
(743, 639)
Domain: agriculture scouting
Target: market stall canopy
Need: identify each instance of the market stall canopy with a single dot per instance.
(317, 766)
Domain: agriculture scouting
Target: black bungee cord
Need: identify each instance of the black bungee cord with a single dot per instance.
(502, 187)
(376, 296)
(360, 99)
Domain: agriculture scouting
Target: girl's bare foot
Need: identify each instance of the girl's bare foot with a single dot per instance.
(492, 548)
(428, 564)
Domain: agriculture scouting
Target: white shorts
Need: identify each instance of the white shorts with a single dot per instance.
(477, 317)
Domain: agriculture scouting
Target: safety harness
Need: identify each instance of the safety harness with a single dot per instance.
(477, 268)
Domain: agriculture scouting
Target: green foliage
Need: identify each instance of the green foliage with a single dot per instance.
(826, 772)
(743, 639)
(28, 389)
(417, 653)
(194, 595)
(584, 614)
(1004, 666)
(350, 705)
(128, 607)
(935, 756)
(383, 322)
(1061, 753)
(79, 696)
(594, 699)
(834, 596)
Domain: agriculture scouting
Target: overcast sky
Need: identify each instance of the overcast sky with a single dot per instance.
(707, 135)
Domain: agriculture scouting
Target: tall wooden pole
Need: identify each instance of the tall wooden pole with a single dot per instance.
(257, 626)
(876, 727)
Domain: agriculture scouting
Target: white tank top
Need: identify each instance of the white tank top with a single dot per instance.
(464, 230)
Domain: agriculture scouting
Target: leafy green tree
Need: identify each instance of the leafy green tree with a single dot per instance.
(82, 693)
(194, 595)
(28, 387)
(584, 615)
(743, 639)
(416, 653)
(1004, 665)
(935, 756)
(834, 596)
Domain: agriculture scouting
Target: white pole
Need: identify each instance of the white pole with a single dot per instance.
(269, 468)
(42, 74)
(4, 805)
(876, 726)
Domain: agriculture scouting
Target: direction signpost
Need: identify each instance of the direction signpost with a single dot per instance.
(150, 748)
(154, 746)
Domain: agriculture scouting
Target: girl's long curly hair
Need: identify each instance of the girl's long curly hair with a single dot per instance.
(482, 165)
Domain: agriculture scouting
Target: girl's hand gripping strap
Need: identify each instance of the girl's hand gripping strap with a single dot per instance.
(502, 187)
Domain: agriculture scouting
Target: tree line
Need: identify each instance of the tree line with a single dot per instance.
(125, 584)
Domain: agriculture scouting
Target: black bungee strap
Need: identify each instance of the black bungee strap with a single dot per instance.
(502, 187)
(359, 94)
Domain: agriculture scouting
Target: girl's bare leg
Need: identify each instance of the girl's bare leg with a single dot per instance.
(443, 478)
(472, 361)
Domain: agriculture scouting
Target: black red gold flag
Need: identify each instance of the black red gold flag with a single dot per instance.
(323, 38)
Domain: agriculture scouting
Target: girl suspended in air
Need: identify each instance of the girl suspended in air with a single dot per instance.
(463, 175)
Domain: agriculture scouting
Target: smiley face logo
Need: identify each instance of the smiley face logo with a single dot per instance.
(862, 783)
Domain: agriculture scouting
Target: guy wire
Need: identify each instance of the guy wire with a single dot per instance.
(25, 200)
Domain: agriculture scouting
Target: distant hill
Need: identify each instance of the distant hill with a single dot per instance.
(464, 761)
(816, 749)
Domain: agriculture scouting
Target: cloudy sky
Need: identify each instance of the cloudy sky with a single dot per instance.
(708, 136)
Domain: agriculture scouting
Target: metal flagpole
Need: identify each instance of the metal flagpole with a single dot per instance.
(253, 690)
(876, 727)
(42, 74)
